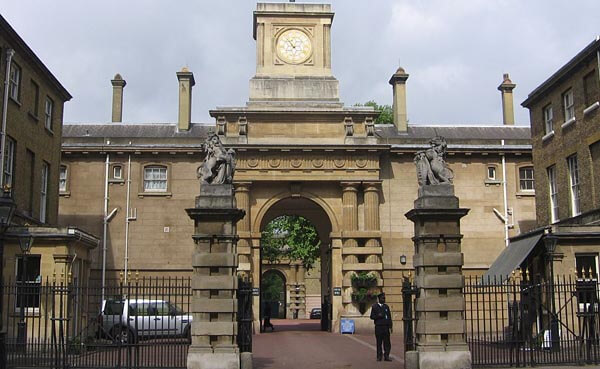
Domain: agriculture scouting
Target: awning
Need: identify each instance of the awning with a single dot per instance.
(510, 258)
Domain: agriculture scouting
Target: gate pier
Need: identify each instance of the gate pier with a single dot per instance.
(214, 282)
(440, 329)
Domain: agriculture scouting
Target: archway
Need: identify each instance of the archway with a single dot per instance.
(274, 293)
(308, 287)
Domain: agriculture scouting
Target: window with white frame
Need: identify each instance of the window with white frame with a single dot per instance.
(28, 281)
(14, 86)
(62, 178)
(548, 119)
(526, 179)
(9, 161)
(568, 105)
(586, 266)
(553, 189)
(155, 178)
(117, 172)
(491, 173)
(48, 112)
(574, 184)
(44, 192)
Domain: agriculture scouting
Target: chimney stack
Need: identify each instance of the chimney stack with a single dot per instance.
(186, 82)
(118, 84)
(508, 111)
(398, 82)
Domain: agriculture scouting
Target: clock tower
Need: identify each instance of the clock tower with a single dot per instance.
(293, 56)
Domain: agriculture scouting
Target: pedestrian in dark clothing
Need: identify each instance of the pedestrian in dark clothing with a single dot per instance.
(267, 320)
(382, 317)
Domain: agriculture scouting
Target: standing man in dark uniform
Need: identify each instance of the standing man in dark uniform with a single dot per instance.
(382, 317)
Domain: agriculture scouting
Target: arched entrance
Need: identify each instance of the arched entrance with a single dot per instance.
(306, 288)
(274, 293)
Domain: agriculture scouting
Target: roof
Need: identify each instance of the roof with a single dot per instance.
(144, 130)
(588, 51)
(456, 132)
(18, 41)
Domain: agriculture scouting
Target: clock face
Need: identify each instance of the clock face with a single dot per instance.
(294, 46)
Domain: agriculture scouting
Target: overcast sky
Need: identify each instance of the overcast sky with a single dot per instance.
(455, 52)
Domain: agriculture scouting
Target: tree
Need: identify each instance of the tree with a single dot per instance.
(386, 115)
(292, 237)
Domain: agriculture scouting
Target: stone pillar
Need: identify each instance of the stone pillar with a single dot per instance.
(300, 280)
(118, 84)
(440, 329)
(371, 191)
(242, 197)
(186, 82)
(214, 280)
(508, 110)
(350, 211)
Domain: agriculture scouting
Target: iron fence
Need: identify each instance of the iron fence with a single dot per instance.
(516, 321)
(142, 324)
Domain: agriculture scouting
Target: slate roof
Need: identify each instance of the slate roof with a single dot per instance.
(456, 132)
(125, 130)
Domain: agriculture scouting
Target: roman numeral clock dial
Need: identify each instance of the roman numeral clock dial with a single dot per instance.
(294, 46)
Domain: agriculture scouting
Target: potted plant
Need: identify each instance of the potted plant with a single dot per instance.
(364, 280)
(362, 283)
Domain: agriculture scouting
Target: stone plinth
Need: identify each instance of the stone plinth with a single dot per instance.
(214, 282)
(438, 261)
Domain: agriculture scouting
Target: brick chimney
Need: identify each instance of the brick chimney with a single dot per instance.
(398, 82)
(118, 84)
(508, 111)
(186, 82)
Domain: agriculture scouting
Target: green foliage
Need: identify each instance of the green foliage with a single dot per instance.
(292, 237)
(386, 115)
(363, 279)
(271, 286)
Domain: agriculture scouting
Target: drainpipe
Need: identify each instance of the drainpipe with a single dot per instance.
(127, 219)
(105, 223)
(9, 55)
(505, 197)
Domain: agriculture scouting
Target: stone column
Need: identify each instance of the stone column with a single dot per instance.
(440, 329)
(350, 211)
(242, 196)
(301, 293)
(214, 280)
(371, 190)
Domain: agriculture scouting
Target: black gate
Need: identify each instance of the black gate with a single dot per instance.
(142, 324)
(244, 315)
(519, 322)
(409, 293)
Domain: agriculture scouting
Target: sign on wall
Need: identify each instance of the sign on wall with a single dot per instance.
(337, 291)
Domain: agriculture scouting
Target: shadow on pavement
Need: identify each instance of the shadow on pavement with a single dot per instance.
(284, 325)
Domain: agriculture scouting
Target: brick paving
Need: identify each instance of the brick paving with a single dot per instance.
(299, 344)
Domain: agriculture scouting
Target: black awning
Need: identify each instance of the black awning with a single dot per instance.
(510, 259)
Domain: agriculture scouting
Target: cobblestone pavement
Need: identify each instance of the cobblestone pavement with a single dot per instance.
(299, 344)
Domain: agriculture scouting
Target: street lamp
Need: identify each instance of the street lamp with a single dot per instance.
(7, 210)
(550, 242)
(25, 244)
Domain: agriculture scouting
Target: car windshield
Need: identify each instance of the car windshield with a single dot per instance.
(113, 307)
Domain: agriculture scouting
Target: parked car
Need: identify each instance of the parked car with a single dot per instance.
(315, 313)
(125, 321)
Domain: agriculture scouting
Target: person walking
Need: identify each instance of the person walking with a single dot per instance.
(267, 320)
(382, 317)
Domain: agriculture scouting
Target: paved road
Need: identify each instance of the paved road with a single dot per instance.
(299, 344)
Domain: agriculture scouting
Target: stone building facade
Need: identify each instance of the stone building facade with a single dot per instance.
(299, 151)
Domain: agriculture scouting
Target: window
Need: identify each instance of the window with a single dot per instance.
(118, 172)
(574, 184)
(14, 87)
(526, 179)
(586, 266)
(548, 119)
(589, 88)
(491, 173)
(48, 112)
(9, 162)
(155, 179)
(586, 269)
(35, 89)
(568, 105)
(28, 281)
(44, 192)
(62, 178)
(553, 194)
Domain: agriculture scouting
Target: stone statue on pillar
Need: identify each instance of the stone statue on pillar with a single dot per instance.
(218, 166)
(438, 260)
(215, 262)
(431, 166)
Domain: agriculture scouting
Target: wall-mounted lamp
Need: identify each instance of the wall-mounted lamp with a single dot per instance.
(403, 259)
